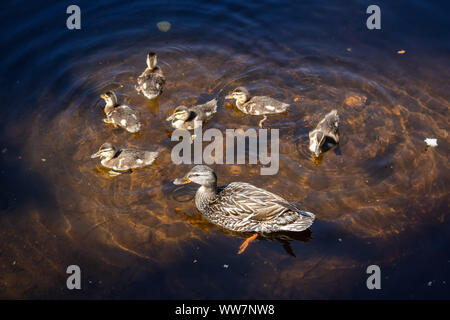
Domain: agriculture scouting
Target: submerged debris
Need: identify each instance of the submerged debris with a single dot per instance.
(163, 26)
(355, 100)
(431, 142)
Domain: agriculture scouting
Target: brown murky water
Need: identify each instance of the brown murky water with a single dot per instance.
(380, 198)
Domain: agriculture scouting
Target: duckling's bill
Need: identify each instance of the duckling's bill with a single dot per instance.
(180, 181)
(96, 155)
(316, 140)
(171, 117)
(315, 148)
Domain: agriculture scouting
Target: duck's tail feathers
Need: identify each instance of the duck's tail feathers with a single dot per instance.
(151, 157)
(134, 129)
(305, 220)
(284, 107)
(307, 214)
(333, 114)
(211, 105)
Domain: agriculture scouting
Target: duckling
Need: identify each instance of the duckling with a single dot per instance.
(151, 81)
(242, 207)
(123, 159)
(120, 115)
(328, 127)
(259, 105)
(190, 118)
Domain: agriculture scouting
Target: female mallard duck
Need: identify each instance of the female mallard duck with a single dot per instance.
(120, 115)
(328, 127)
(151, 81)
(242, 207)
(190, 118)
(123, 159)
(259, 105)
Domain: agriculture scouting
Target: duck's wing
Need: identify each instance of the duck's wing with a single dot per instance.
(130, 158)
(245, 201)
(205, 111)
(330, 125)
(266, 105)
(126, 117)
(151, 80)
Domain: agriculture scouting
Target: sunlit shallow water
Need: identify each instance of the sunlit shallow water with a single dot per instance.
(380, 198)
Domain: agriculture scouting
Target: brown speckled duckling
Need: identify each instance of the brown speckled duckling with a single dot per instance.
(259, 105)
(192, 117)
(151, 81)
(328, 127)
(123, 159)
(120, 115)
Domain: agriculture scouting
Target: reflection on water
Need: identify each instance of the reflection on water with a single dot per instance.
(380, 196)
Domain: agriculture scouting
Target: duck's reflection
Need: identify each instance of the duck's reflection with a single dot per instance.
(283, 237)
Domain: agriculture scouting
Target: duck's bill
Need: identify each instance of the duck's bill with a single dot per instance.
(230, 96)
(96, 155)
(315, 148)
(171, 117)
(317, 152)
(180, 181)
(103, 96)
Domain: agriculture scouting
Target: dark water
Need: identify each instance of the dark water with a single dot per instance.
(383, 199)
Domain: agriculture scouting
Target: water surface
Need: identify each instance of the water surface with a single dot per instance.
(380, 198)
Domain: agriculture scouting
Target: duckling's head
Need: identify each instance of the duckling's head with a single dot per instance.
(240, 94)
(200, 174)
(106, 151)
(110, 98)
(316, 140)
(181, 113)
(152, 60)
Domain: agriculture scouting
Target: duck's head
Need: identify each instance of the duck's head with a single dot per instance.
(106, 151)
(181, 113)
(200, 174)
(316, 140)
(152, 60)
(240, 94)
(109, 97)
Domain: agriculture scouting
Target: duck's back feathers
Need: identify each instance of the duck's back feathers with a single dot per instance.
(261, 105)
(205, 111)
(329, 125)
(151, 83)
(125, 117)
(198, 115)
(243, 207)
(126, 159)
